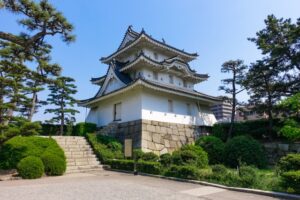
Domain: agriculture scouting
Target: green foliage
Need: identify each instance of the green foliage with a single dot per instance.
(138, 154)
(82, 128)
(149, 167)
(30, 128)
(243, 149)
(290, 162)
(190, 155)
(105, 147)
(219, 172)
(52, 129)
(62, 91)
(20, 147)
(258, 129)
(187, 171)
(291, 104)
(248, 176)
(291, 181)
(165, 159)
(214, 147)
(150, 156)
(127, 165)
(54, 165)
(291, 130)
(30, 167)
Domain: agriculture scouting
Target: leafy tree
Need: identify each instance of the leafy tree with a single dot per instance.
(291, 105)
(40, 20)
(233, 85)
(277, 74)
(61, 96)
(279, 41)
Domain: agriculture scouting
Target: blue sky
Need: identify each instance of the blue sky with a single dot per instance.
(216, 30)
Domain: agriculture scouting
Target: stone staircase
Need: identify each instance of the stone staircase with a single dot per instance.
(79, 154)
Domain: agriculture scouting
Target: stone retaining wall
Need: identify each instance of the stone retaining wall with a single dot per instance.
(276, 150)
(154, 136)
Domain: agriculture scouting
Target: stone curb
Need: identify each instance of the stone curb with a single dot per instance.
(247, 190)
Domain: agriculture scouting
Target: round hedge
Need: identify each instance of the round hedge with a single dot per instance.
(54, 165)
(165, 159)
(190, 155)
(214, 148)
(246, 150)
(30, 167)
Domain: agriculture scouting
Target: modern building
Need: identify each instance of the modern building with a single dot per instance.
(222, 111)
(148, 95)
(248, 113)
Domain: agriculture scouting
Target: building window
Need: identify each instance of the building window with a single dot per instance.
(155, 56)
(170, 106)
(184, 83)
(117, 111)
(188, 109)
(155, 76)
(171, 79)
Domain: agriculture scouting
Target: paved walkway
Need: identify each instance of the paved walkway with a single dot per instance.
(112, 185)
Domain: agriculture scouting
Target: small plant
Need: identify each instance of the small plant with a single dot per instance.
(291, 181)
(165, 159)
(289, 162)
(30, 167)
(150, 156)
(82, 128)
(244, 149)
(248, 176)
(214, 147)
(190, 155)
(54, 165)
(138, 154)
(187, 171)
(149, 167)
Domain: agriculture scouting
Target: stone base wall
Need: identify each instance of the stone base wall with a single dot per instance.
(275, 150)
(154, 136)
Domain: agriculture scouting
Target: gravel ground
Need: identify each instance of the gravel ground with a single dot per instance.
(112, 185)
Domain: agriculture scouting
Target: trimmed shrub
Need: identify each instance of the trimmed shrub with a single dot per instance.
(244, 149)
(187, 171)
(103, 147)
(190, 155)
(30, 167)
(20, 147)
(165, 159)
(52, 129)
(138, 154)
(214, 147)
(54, 165)
(248, 176)
(289, 162)
(82, 128)
(127, 165)
(291, 181)
(291, 130)
(149, 167)
(219, 172)
(150, 156)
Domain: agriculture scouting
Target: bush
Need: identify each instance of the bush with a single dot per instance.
(165, 159)
(127, 165)
(291, 181)
(20, 147)
(52, 129)
(214, 147)
(190, 155)
(187, 171)
(137, 154)
(149, 167)
(54, 165)
(219, 172)
(257, 129)
(248, 176)
(150, 156)
(30, 167)
(291, 130)
(289, 162)
(30, 128)
(105, 147)
(243, 149)
(82, 128)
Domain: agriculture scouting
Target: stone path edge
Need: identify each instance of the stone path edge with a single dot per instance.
(246, 190)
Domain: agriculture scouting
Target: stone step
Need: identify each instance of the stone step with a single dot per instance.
(81, 159)
(77, 150)
(78, 153)
(84, 170)
(83, 167)
(95, 162)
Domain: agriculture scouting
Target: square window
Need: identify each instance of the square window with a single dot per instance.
(188, 109)
(170, 106)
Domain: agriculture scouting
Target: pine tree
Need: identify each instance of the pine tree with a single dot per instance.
(61, 97)
(233, 85)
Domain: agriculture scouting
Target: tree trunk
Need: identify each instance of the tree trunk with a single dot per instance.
(62, 119)
(33, 106)
(233, 106)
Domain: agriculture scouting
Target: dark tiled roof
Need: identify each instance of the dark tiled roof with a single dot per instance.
(152, 39)
(97, 78)
(125, 78)
(161, 86)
